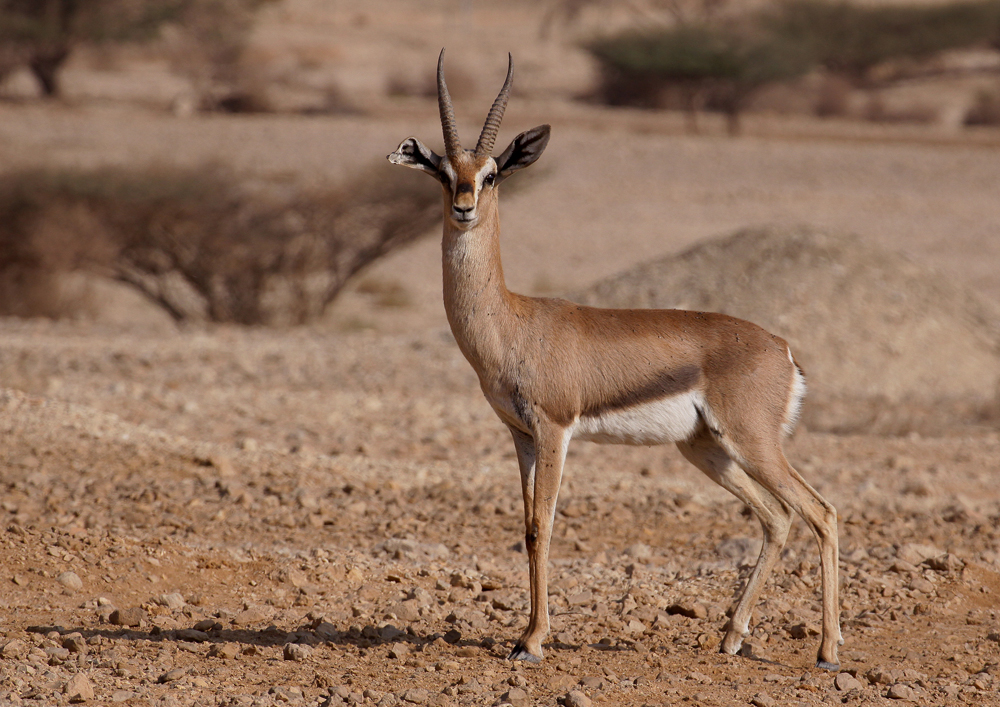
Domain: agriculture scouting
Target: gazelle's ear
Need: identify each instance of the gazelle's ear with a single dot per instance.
(522, 151)
(413, 153)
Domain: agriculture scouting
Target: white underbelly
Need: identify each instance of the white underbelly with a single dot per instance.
(667, 420)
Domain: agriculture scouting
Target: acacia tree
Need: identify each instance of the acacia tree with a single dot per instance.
(42, 34)
(714, 65)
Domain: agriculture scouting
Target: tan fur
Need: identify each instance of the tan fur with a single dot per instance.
(543, 364)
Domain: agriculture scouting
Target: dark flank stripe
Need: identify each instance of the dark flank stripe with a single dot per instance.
(668, 383)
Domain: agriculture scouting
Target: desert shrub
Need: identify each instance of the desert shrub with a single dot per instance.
(985, 110)
(851, 39)
(43, 33)
(715, 66)
(202, 245)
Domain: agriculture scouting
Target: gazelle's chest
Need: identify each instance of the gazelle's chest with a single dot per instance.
(509, 405)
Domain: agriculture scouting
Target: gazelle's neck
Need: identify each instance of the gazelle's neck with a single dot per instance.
(476, 298)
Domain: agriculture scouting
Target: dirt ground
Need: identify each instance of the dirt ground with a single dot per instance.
(331, 514)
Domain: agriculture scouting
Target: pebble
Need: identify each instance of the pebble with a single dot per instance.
(250, 617)
(575, 698)
(192, 634)
(804, 630)
(71, 580)
(845, 682)
(226, 651)
(915, 553)
(900, 691)
(399, 651)
(416, 695)
(762, 699)
(692, 610)
(517, 697)
(79, 689)
(172, 675)
(173, 601)
(639, 551)
(13, 649)
(75, 642)
(127, 617)
(297, 652)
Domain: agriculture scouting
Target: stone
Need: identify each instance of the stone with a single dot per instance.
(916, 553)
(416, 695)
(71, 580)
(399, 651)
(74, 642)
(639, 551)
(635, 626)
(762, 699)
(297, 652)
(901, 691)
(879, 676)
(192, 634)
(945, 563)
(127, 617)
(919, 584)
(78, 688)
(803, 630)
(172, 675)
(173, 601)
(517, 697)
(250, 617)
(13, 649)
(226, 651)
(692, 610)
(575, 698)
(845, 682)
(390, 633)
(57, 655)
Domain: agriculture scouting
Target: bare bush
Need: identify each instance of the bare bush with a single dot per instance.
(200, 244)
(986, 108)
(42, 34)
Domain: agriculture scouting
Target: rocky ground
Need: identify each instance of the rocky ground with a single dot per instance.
(331, 514)
(245, 517)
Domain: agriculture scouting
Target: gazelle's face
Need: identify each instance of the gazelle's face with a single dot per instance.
(470, 177)
(468, 180)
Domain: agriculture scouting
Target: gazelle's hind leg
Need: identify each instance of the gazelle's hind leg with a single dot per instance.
(775, 518)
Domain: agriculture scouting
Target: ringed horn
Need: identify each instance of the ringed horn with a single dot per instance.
(492, 126)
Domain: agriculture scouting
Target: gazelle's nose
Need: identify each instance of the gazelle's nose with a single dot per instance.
(463, 210)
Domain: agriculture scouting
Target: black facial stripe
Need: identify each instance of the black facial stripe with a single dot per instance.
(465, 188)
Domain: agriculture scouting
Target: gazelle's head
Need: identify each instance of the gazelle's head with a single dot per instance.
(470, 177)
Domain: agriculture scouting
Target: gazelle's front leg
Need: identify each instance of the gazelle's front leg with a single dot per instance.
(541, 462)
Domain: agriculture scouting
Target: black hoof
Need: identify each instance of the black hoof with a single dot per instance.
(823, 665)
(521, 653)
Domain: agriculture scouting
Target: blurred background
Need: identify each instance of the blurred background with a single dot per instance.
(826, 169)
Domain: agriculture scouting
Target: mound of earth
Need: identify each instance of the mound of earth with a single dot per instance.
(888, 346)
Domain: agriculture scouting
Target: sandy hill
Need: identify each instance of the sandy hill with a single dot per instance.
(887, 345)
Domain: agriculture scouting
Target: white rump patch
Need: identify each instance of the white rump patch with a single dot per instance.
(795, 396)
(667, 420)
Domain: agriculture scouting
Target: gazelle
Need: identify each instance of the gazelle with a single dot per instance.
(724, 390)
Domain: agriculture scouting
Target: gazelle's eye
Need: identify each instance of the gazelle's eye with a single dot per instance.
(489, 179)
